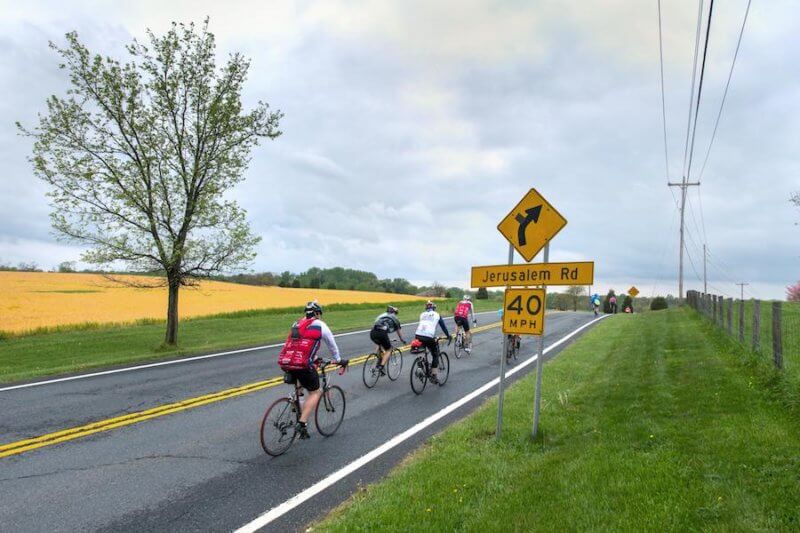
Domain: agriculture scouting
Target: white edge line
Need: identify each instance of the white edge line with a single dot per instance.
(174, 361)
(316, 488)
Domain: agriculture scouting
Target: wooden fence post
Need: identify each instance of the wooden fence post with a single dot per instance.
(756, 325)
(777, 344)
(730, 316)
(741, 321)
(714, 307)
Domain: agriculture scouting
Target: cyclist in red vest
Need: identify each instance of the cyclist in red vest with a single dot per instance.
(465, 310)
(299, 353)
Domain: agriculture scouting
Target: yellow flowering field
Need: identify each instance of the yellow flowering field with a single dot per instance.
(30, 300)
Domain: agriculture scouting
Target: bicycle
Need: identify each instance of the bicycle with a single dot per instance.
(421, 367)
(394, 365)
(458, 343)
(279, 426)
(512, 348)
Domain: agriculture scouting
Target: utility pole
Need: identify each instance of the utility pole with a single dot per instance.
(683, 185)
(705, 276)
(741, 287)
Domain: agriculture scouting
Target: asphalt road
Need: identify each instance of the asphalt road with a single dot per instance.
(203, 469)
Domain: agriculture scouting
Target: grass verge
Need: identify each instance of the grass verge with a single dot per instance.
(74, 350)
(649, 422)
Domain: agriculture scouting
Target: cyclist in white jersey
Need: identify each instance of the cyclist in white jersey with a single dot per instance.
(426, 334)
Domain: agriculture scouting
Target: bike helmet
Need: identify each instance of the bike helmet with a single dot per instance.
(466, 297)
(313, 308)
(430, 306)
(392, 309)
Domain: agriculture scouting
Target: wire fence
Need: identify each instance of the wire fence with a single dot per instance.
(768, 328)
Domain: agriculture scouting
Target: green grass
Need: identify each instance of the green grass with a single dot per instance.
(92, 346)
(650, 422)
(760, 355)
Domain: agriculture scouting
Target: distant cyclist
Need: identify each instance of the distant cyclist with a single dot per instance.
(464, 311)
(379, 334)
(596, 304)
(299, 353)
(426, 334)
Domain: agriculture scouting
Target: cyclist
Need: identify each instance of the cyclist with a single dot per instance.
(426, 334)
(596, 304)
(511, 338)
(379, 334)
(465, 310)
(298, 356)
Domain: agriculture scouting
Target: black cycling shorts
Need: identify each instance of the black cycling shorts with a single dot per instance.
(307, 377)
(463, 322)
(432, 346)
(381, 338)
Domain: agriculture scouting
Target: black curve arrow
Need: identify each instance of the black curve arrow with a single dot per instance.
(532, 216)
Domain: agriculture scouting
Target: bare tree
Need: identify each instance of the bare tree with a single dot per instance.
(575, 292)
(140, 154)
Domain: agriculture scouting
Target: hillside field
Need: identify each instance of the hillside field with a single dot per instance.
(35, 300)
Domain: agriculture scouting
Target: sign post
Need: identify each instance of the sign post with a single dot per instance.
(529, 228)
(501, 385)
(537, 397)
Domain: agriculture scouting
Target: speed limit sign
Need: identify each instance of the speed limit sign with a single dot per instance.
(523, 312)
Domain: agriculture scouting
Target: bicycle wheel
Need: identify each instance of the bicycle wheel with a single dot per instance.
(370, 373)
(444, 368)
(278, 428)
(458, 345)
(395, 364)
(419, 377)
(330, 411)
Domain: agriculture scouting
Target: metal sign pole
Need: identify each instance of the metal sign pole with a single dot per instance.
(499, 429)
(538, 395)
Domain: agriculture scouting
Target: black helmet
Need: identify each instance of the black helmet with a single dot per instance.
(430, 306)
(313, 308)
(392, 309)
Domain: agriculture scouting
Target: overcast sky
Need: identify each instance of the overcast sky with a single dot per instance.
(413, 127)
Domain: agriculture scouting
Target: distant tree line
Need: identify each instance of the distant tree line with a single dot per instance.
(344, 279)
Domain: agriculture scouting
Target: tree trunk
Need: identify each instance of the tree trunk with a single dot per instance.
(171, 337)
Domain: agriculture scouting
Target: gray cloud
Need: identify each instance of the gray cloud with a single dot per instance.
(410, 133)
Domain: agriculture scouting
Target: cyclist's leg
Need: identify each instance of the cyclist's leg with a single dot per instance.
(309, 379)
(433, 346)
(467, 333)
(382, 354)
(384, 343)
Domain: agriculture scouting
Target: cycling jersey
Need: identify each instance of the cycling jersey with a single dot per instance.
(329, 340)
(464, 309)
(387, 322)
(428, 321)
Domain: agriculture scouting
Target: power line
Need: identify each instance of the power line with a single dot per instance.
(702, 216)
(694, 218)
(700, 87)
(664, 249)
(663, 100)
(727, 85)
(691, 92)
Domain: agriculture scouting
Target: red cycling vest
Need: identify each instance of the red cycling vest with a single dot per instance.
(301, 345)
(462, 309)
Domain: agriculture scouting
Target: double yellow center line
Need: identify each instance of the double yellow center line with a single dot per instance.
(26, 445)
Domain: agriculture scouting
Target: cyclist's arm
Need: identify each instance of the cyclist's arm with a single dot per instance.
(443, 326)
(330, 342)
(472, 311)
(399, 333)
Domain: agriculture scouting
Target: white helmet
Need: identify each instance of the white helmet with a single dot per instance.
(466, 297)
